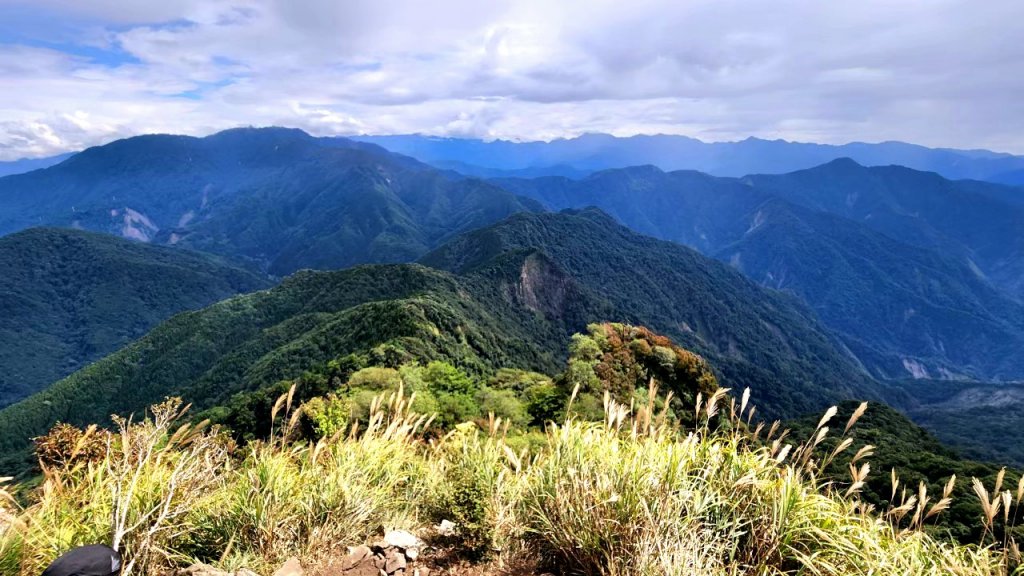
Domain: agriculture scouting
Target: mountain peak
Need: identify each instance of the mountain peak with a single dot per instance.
(638, 171)
(844, 162)
(261, 133)
(593, 214)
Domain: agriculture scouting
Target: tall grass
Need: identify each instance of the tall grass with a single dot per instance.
(632, 495)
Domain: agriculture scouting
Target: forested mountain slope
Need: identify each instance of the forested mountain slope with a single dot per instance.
(513, 293)
(903, 309)
(69, 297)
(279, 197)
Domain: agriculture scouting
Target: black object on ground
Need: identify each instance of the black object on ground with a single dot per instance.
(94, 560)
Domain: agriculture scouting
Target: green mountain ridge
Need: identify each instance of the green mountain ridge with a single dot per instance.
(255, 340)
(68, 297)
(279, 197)
(755, 337)
(517, 290)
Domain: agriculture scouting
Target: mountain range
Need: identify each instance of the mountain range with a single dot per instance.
(503, 296)
(276, 197)
(831, 282)
(920, 276)
(23, 165)
(592, 152)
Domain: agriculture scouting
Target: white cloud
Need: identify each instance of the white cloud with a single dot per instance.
(938, 72)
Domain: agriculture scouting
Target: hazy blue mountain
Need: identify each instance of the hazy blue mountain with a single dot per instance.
(903, 310)
(276, 196)
(30, 164)
(972, 222)
(1013, 178)
(472, 171)
(68, 297)
(591, 152)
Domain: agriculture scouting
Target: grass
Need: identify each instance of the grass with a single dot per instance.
(630, 496)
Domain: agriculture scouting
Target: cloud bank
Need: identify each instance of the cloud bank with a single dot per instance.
(935, 72)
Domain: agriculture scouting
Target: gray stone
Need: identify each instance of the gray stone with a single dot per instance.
(446, 528)
(356, 555)
(291, 567)
(396, 561)
(402, 539)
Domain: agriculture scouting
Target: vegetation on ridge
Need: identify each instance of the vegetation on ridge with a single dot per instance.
(638, 492)
(754, 337)
(514, 292)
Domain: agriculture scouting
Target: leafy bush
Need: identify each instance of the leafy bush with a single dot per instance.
(442, 377)
(503, 404)
(330, 415)
(455, 409)
(465, 491)
(545, 402)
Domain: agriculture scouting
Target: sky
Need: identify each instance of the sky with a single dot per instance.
(950, 73)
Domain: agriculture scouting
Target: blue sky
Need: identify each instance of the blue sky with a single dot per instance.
(935, 72)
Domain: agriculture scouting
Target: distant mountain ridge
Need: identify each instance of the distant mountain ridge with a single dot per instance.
(908, 300)
(978, 223)
(276, 196)
(592, 152)
(29, 164)
(1013, 178)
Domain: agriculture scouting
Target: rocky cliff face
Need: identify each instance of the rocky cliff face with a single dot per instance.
(543, 287)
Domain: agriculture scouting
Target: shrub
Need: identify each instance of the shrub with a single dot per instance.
(517, 381)
(65, 446)
(477, 491)
(329, 415)
(456, 408)
(503, 404)
(443, 378)
(545, 402)
(376, 379)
